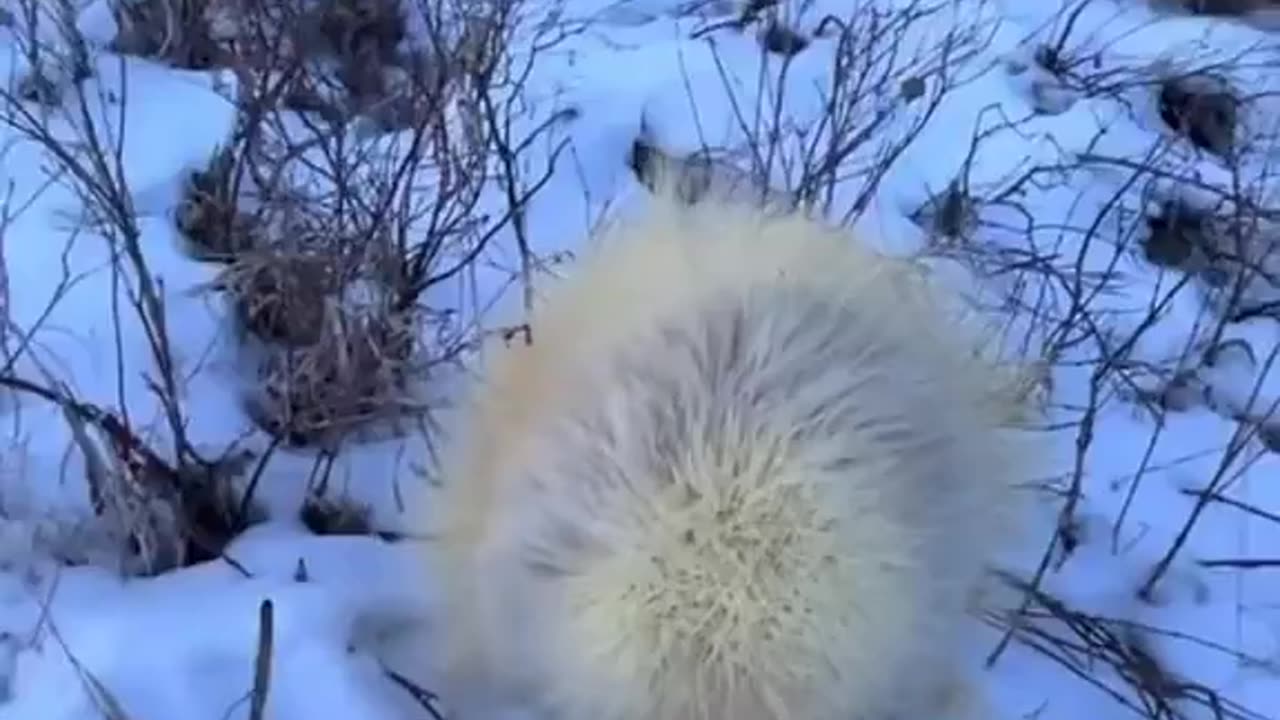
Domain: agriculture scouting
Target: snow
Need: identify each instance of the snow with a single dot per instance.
(183, 644)
(131, 634)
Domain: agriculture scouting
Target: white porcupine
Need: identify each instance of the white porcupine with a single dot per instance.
(745, 471)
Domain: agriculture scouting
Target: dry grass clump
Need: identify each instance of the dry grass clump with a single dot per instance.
(340, 58)
(1177, 237)
(1233, 257)
(950, 214)
(322, 333)
(1204, 108)
(324, 361)
(356, 375)
(324, 515)
(209, 216)
(179, 32)
(351, 61)
(1262, 13)
(283, 298)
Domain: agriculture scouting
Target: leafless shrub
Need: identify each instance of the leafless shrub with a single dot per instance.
(1054, 278)
(1202, 98)
(157, 503)
(52, 52)
(1116, 657)
(332, 225)
(1124, 259)
(1056, 274)
(368, 200)
(1064, 289)
(162, 515)
(889, 72)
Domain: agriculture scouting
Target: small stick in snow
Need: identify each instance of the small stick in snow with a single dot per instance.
(262, 664)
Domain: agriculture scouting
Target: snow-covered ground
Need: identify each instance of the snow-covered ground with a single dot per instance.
(1162, 528)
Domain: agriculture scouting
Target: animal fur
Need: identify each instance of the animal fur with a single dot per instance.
(746, 470)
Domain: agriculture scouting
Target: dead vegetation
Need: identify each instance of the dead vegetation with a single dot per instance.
(326, 516)
(357, 373)
(886, 82)
(1144, 274)
(1118, 657)
(209, 216)
(373, 138)
(1263, 13)
(328, 239)
(179, 32)
(284, 298)
(376, 153)
(950, 214)
(1204, 108)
